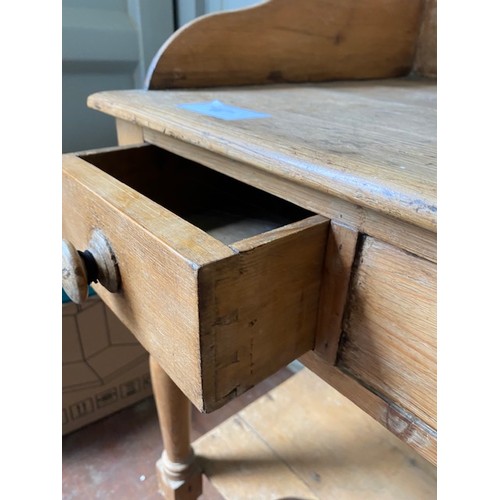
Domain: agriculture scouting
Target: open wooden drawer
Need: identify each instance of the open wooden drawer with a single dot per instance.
(219, 280)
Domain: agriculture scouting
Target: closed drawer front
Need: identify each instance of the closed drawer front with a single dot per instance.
(389, 331)
(219, 281)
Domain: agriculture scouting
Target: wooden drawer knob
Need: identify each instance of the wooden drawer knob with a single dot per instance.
(96, 264)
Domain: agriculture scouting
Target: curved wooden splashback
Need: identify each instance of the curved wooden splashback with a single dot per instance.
(291, 41)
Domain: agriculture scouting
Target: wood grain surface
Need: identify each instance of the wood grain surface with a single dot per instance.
(141, 232)
(372, 144)
(400, 422)
(426, 55)
(220, 317)
(127, 133)
(395, 231)
(179, 477)
(389, 340)
(305, 440)
(259, 309)
(339, 257)
(291, 41)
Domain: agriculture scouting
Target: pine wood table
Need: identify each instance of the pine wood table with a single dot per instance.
(284, 208)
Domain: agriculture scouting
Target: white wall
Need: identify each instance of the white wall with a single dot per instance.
(106, 45)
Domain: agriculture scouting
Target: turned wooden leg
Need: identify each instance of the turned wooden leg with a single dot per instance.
(179, 477)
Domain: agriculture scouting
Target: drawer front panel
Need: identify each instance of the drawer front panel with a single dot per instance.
(150, 269)
(218, 317)
(389, 339)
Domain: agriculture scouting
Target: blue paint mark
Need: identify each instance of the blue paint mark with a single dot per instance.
(218, 109)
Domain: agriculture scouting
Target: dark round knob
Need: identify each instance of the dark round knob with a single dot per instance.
(96, 264)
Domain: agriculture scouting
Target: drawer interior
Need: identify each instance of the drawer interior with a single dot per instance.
(227, 209)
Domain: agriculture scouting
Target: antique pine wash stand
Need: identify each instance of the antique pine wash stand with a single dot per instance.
(306, 230)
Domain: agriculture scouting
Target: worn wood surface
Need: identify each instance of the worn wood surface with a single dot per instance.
(174, 415)
(401, 423)
(314, 165)
(259, 308)
(127, 133)
(389, 340)
(179, 477)
(399, 233)
(96, 262)
(142, 232)
(372, 144)
(74, 274)
(217, 318)
(291, 41)
(305, 440)
(339, 256)
(426, 56)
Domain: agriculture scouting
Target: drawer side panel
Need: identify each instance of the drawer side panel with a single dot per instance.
(259, 308)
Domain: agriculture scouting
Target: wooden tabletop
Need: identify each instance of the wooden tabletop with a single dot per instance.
(372, 143)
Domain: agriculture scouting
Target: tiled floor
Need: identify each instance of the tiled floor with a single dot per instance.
(115, 457)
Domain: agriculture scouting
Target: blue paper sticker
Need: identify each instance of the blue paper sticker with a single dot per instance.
(223, 111)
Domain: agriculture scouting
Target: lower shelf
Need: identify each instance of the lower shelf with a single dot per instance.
(305, 440)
